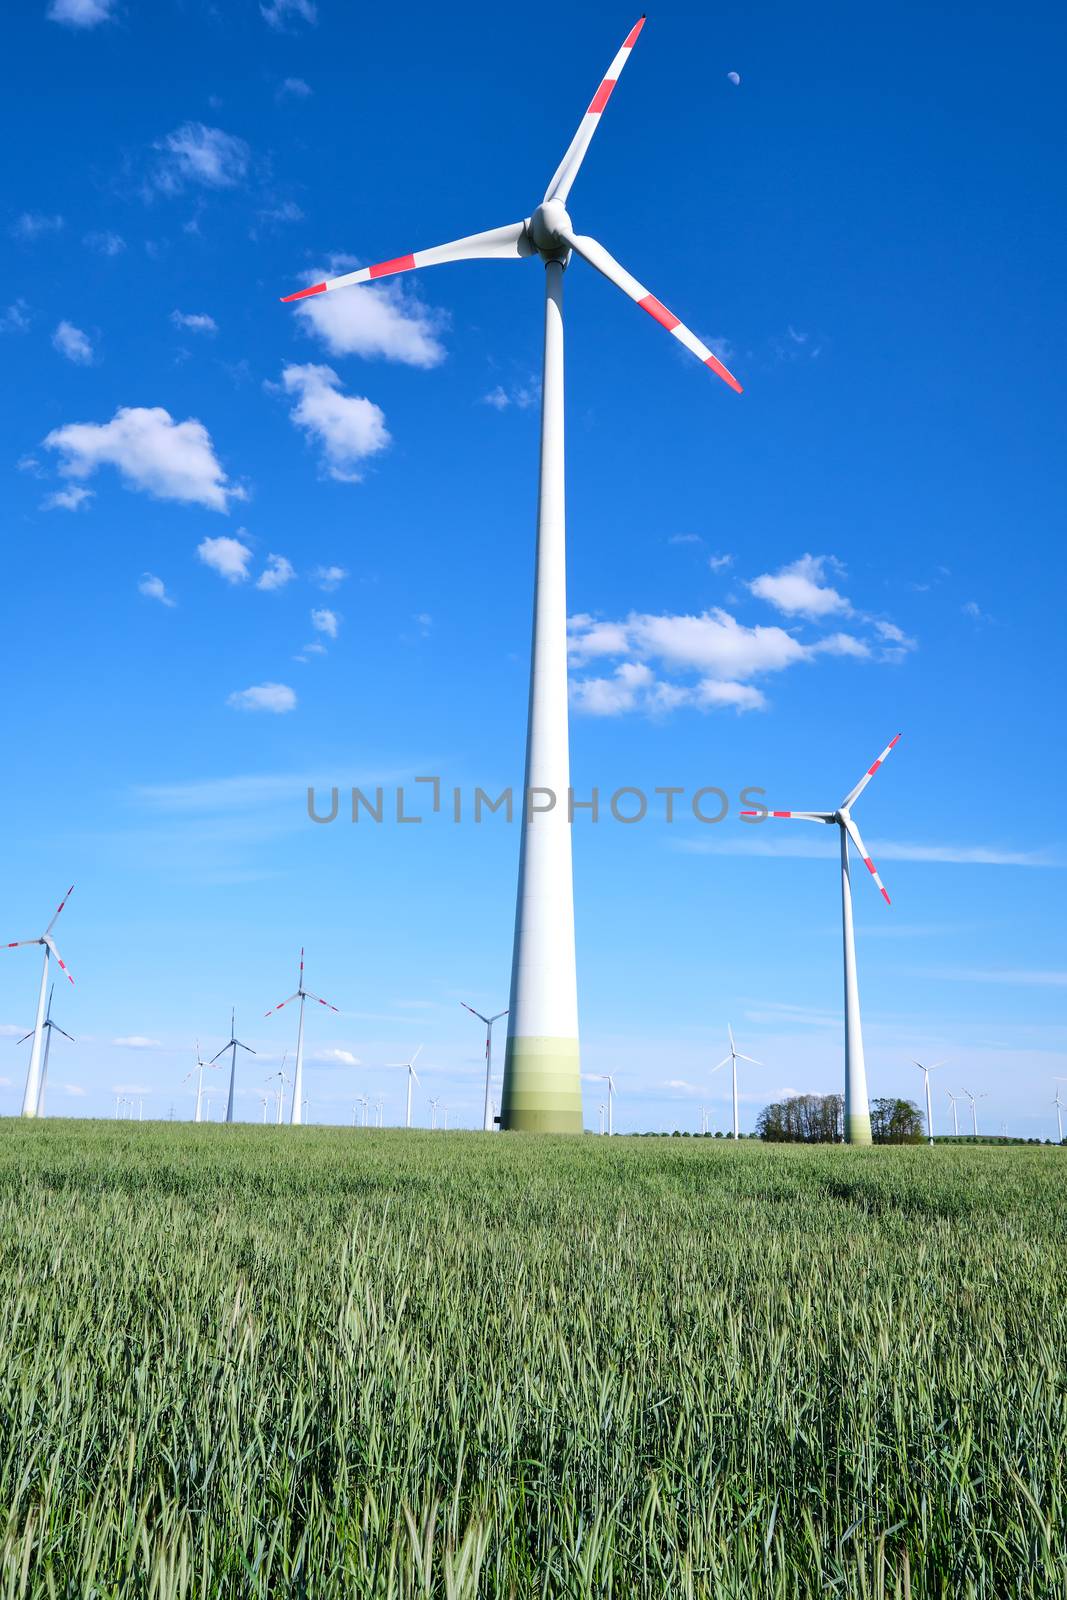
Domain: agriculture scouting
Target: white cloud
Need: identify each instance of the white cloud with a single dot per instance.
(344, 1057)
(154, 588)
(521, 395)
(195, 153)
(349, 427)
(972, 609)
(80, 13)
(293, 89)
(106, 243)
(228, 557)
(15, 318)
(278, 572)
(811, 843)
(135, 1041)
(329, 578)
(73, 343)
(325, 621)
(497, 398)
(720, 563)
(170, 460)
(12, 1030)
(33, 224)
(66, 499)
(385, 320)
(799, 589)
(277, 13)
(73, 1089)
(276, 697)
(195, 321)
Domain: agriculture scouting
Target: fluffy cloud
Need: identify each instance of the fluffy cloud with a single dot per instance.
(81, 13)
(198, 154)
(327, 622)
(520, 395)
(74, 344)
(344, 1057)
(228, 557)
(32, 224)
(195, 321)
(328, 578)
(348, 427)
(67, 499)
(293, 89)
(278, 572)
(706, 661)
(800, 590)
(279, 13)
(154, 588)
(136, 1041)
(276, 697)
(170, 460)
(15, 318)
(386, 320)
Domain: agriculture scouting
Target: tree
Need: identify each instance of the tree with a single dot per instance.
(802, 1119)
(895, 1121)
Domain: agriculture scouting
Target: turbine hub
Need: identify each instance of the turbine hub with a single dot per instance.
(545, 225)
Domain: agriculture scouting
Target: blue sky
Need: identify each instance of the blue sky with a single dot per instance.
(252, 546)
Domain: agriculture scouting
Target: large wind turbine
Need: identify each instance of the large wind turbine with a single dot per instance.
(32, 1093)
(731, 1060)
(974, 1099)
(48, 1026)
(233, 1045)
(926, 1071)
(488, 1119)
(542, 1078)
(301, 994)
(413, 1077)
(857, 1107)
(198, 1073)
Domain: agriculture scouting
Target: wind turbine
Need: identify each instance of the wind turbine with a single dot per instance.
(602, 1108)
(605, 1077)
(264, 1101)
(301, 994)
(198, 1072)
(32, 1094)
(542, 1078)
(412, 1077)
(379, 1107)
(857, 1107)
(955, 1114)
(1059, 1104)
(731, 1060)
(974, 1099)
(48, 1025)
(433, 1108)
(233, 1045)
(488, 1118)
(282, 1081)
(926, 1071)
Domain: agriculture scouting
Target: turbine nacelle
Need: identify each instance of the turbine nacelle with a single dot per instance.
(549, 230)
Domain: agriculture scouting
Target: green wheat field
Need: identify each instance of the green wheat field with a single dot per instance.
(328, 1362)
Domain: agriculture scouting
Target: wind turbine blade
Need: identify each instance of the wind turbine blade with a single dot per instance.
(222, 1052)
(16, 943)
(497, 1017)
(321, 1001)
(511, 241)
(854, 835)
(415, 1075)
(64, 1032)
(567, 171)
(750, 1059)
(50, 942)
(477, 1014)
(796, 816)
(725, 1062)
(600, 258)
(247, 1047)
(59, 908)
(281, 1003)
(730, 1031)
(415, 1057)
(25, 1036)
(854, 794)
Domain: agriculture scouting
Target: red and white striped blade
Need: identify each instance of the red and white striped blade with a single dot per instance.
(17, 943)
(855, 793)
(567, 171)
(509, 243)
(281, 1003)
(854, 835)
(59, 908)
(795, 816)
(50, 942)
(321, 1001)
(604, 262)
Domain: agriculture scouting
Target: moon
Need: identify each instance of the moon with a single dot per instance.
(734, 77)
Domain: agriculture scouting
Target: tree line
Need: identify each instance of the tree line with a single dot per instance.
(819, 1119)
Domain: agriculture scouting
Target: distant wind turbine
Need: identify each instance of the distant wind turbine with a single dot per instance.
(955, 1114)
(857, 1107)
(731, 1060)
(542, 1078)
(301, 994)
(197, 1072)
(32, 1093)
(926, 1071)
(602, 1109)
(48, 1026)
(233, 1045)
(282, 1080)
(974, 1098)
(605, 1077)
(433, 1108)
(413, 1076)
(488, 1119)
(1059, 1104)
(379, 1107)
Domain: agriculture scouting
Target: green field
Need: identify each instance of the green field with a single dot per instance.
(253, 1361)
